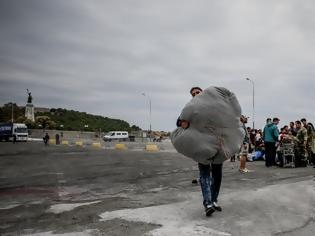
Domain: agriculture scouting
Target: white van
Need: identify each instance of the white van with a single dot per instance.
(116, 135)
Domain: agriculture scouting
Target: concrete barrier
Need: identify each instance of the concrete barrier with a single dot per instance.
(79, 143)
(164, 146)
(65, 142)
(151, 147)
(120, 146)
(52, 141)
(96, 145)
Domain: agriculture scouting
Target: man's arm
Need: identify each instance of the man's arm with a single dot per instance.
(276, 134)
(305, 138)
(264, 133)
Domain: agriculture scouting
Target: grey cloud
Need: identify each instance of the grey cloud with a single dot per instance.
(99, 56)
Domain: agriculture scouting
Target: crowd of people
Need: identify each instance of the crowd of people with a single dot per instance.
(272, 144)
(293, 143)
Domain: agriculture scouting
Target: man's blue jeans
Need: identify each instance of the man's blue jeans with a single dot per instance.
(210, 184)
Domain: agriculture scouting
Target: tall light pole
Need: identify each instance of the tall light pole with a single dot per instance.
(12, 114)
(150, 114)
(253, 100)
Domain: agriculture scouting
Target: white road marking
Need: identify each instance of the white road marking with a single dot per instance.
(50, 233)
(243, 211)
(174, 218)
(10, 207)
(59, 208)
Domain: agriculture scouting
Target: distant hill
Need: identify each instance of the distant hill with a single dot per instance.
(65, 119)
(75, 120)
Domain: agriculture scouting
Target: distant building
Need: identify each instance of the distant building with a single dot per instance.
(38, 109)
(41, 109)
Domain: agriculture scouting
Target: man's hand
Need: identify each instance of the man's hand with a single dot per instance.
(184, 124)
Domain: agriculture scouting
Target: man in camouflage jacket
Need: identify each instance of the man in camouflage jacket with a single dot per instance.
(300, 145)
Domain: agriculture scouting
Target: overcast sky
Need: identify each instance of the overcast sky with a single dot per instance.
(99, 56)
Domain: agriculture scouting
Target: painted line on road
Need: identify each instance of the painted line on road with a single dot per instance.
(59, 208)
(174, 220)
(61, 180)
(10, 206)
(53, 233)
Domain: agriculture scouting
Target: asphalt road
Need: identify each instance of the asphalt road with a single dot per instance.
(84, 191)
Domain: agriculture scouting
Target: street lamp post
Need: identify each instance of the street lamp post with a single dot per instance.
(150, 114)
(253, 84)
(12, 113)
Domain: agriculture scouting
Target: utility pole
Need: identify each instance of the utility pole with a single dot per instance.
(12, 114)
(150, 130)
(253, 84)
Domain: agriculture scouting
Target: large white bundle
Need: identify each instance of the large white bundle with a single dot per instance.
(215, 132)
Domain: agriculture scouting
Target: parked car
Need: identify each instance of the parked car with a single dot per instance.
(116, 135)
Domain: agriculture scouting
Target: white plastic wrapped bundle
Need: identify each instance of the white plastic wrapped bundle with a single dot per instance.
(215, 132)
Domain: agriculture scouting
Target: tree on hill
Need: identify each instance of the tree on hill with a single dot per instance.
(63, 119)
(45, 122)
(75, 120)
(6, 112)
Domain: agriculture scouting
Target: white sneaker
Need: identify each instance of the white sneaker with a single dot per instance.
(216, 206)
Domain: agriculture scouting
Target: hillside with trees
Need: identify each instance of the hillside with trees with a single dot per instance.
(63, 119)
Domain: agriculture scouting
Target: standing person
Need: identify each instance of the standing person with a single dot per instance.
(268, 121)
(283, 136)
(310, 144)
(292, 128)
(210, 175)
(304, 123)
(245, 146)
(249, 132)
(46, 139)
(300, 145)
(57, 137)
(184, 124)
(271, 137)
(14, 139)
(309, 132)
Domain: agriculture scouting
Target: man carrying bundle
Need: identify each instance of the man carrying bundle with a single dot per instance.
(209, 132)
